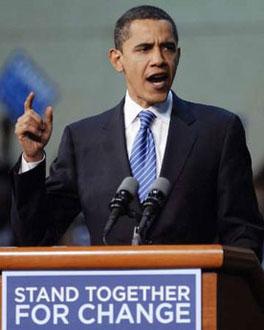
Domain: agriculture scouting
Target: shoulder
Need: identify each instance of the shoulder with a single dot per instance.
(93, 123)
(206, 114)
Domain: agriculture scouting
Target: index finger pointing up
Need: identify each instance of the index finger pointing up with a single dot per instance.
(28, 102)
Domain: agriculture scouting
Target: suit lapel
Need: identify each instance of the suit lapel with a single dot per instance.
(181, 138)
(114, 145)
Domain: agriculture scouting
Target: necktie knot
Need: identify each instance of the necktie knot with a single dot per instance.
(146, 118)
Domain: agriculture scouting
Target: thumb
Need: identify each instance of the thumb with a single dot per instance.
(48, 116)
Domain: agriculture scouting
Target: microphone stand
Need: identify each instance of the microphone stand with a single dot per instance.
(136, 239)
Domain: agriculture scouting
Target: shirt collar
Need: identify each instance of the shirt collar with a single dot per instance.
(161, 110)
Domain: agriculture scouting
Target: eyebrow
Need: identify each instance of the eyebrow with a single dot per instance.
(144, 44)
(150, 44)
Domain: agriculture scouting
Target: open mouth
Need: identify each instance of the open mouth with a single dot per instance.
(158, 80)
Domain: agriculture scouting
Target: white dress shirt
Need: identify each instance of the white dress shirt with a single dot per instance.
(159, 128)
(27, 166)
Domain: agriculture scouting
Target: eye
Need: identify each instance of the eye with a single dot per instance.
(169, 46)
(143, 48)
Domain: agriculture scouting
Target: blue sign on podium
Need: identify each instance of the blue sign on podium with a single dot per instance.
(102, 300)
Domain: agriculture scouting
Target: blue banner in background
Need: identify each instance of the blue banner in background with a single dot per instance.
(102, 300)
(19, 76)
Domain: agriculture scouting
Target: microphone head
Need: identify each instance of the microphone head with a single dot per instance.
(129, 184)
(161, 184)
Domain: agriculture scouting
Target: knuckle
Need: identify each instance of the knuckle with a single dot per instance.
(19, 119)
(25, 127)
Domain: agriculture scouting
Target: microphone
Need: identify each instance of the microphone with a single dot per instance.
(157, 196)
(119, 204)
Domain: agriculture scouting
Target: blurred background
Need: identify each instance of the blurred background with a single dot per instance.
(222, 60)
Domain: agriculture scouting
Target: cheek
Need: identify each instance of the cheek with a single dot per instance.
(135, 74)
(174, 64)
(173, 69)
(135, 71)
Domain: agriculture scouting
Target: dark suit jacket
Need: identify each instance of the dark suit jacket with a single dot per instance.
(206, 160)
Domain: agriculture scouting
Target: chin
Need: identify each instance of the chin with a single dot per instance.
(159, 97)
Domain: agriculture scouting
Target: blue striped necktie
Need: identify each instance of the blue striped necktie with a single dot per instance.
(143, 155)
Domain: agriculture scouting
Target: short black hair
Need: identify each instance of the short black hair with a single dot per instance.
(121, 32)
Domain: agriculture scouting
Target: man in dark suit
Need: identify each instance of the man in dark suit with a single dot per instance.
(200, 149)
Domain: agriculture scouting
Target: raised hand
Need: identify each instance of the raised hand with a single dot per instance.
(33, 131)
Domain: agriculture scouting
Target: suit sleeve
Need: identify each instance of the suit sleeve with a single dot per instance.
(43, 208)
(240, 223)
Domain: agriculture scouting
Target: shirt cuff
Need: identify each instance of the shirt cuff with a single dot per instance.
(27, 166)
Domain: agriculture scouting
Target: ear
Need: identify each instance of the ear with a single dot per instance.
(115, 57)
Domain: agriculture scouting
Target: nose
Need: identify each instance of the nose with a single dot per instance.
(157, 57)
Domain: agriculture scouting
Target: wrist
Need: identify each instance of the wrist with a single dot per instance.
(32, 159)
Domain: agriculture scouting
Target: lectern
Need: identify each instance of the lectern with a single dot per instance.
(232, 278)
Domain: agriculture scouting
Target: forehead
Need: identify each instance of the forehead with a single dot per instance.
(146, 30)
